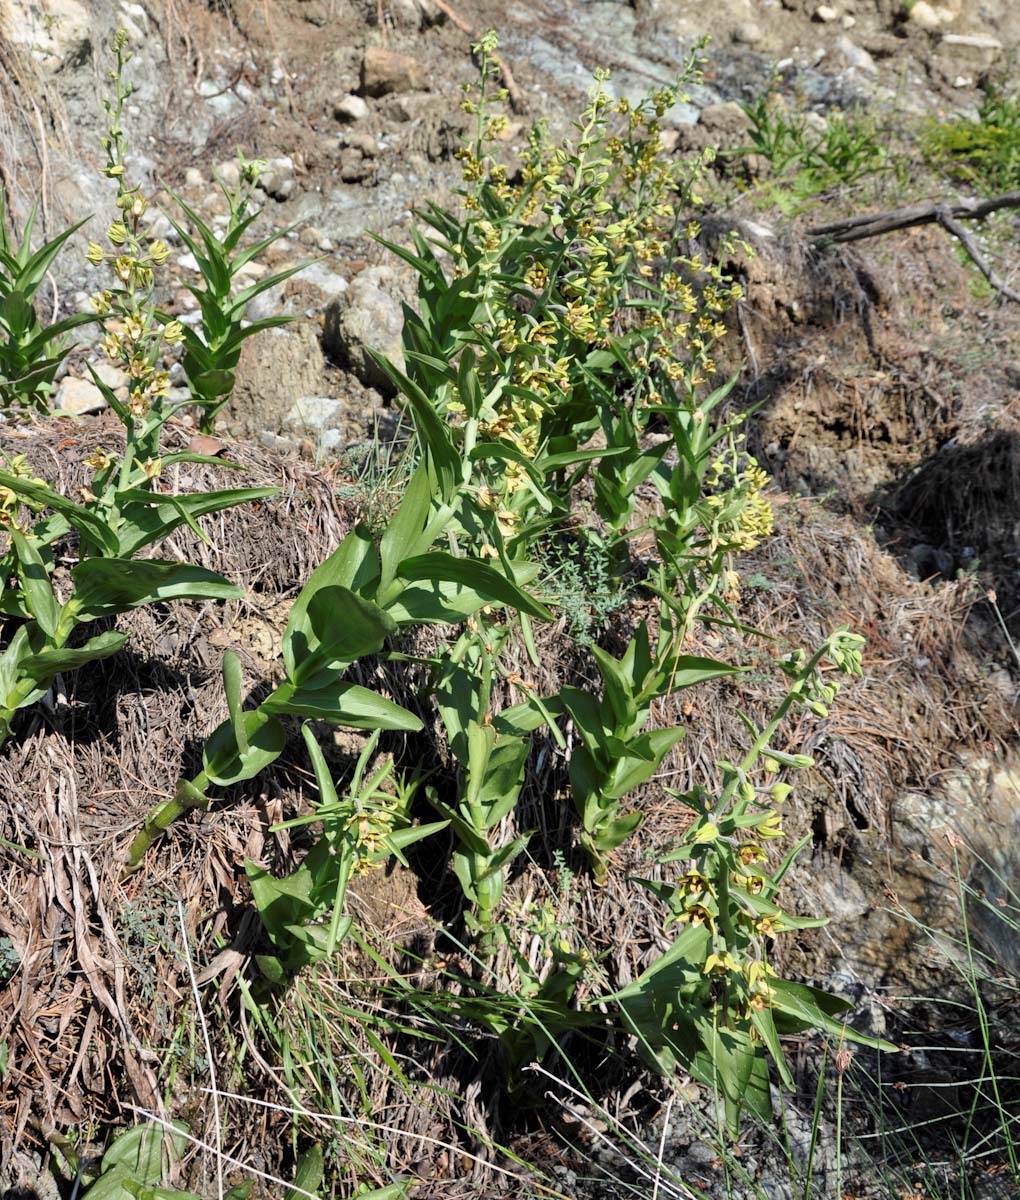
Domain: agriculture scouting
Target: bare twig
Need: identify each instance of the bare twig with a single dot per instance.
(854, 229)
(949, 216)
(969, 243)
(517, 101)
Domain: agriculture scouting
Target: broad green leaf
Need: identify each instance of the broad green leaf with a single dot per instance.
(34, 268)
(222, 759)
(342, 704)
(648, 751)
(103, 586)
(150, 517)
(211, 384)
(614, 833)
(619, 689)
(732, 1063)
(81, 518)
(797, 1007)
(232, 690)
(431, 430)
(439, 566)
(323, 776)
(50, 661)
(686, 670)
(35, 583)
(402, 536)
(335, 626)
(308, 1176)
(353, 565)
(140, 1149)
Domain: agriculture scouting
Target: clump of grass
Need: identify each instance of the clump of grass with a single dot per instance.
(982, 151)
(811, 161)
(580, 581)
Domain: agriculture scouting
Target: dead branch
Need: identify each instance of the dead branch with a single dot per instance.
(517, 101)
(854, 229)
(949, 216)
(951, 225)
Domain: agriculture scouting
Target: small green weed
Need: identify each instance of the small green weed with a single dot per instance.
(213, 349)
(810, 161)
(581, 583)
(981, 151)
(30, 352)
(9, 961)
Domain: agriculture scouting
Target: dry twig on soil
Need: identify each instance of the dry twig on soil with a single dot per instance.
(517, 100)
(949, 216)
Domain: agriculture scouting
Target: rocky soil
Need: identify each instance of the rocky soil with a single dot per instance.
(887, 390)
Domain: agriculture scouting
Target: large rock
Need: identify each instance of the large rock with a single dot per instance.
(55, 33)
(78, 396)
(974, 52)
(368, 318)
(276, 366)
(386, 71)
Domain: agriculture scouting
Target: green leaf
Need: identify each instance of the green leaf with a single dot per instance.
(103, 586)
(610, 834)
(33, 270)
(686, 670)
(335, 626)
(619, 688)
(50, 661)
(225, 763)
(732, 1063)
(232, 689)
(439, 566)
(149, 518)
(342, 704)
(140, 1150)
(353, 566)
(641, 763)
(797, 1007)
(35, 583)
(308, 1176)
(432, 432)
(403, 535)
(16, 315)
(323, 777)
(82, 519)
(211, 384)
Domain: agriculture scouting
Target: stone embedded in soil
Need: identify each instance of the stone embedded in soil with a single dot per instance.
(386, 71)
(114, 378)
(350, 109)
(748, 33)
(725, 120)
(277, 179)
(367, 319)
(276, 366)
(79, 396)
(855, 57)
(315, 414)
(55, 34)
(229, 172)
(826, 13)
(924, 16)
(976, 51)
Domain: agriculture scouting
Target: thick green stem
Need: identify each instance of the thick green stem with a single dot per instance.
(159, 819)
